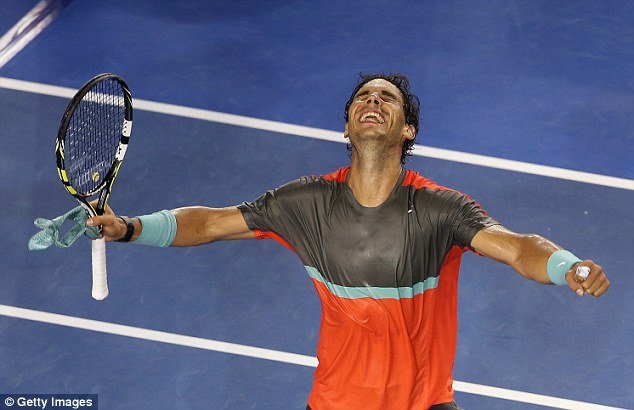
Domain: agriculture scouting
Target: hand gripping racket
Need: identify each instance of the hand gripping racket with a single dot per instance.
(91, 143)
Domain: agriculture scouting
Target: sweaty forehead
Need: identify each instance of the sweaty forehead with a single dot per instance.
(380, 84)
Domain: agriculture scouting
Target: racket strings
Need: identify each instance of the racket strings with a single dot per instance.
(93, 136)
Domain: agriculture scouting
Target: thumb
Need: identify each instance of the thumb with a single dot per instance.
(96, 221)
(574, 285)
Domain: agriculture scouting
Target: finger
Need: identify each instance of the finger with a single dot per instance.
(598, 283)
(602, 289)
(106, 211)
(112, 228)
(594, 277)
(94, 221)
(104, 221)
(574, 284)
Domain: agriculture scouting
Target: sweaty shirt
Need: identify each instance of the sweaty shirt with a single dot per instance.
(387, 279)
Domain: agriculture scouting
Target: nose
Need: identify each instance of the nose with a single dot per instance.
(373, 98)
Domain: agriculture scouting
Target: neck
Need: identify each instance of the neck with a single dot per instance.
(373, 176)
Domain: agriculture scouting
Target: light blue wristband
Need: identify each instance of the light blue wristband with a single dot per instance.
(159, 229)
(559, 263)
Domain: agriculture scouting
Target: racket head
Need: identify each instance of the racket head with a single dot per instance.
(93, 137)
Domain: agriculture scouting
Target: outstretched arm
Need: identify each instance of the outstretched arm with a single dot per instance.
(528, 254)
(196, 225)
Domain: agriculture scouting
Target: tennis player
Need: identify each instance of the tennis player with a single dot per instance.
(382, 245)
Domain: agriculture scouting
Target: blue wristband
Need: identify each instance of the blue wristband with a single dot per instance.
(159, 229)
(559, 263)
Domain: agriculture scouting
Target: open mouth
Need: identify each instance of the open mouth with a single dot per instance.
(374, 117)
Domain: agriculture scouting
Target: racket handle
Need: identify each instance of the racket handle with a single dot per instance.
(99, 274)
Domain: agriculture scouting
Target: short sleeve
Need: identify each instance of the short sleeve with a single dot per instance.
(468, 218)
(279, 210)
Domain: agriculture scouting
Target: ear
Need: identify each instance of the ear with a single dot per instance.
(409, 132)
(345, 131)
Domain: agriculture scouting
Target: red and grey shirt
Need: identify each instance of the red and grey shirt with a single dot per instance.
(387, 279)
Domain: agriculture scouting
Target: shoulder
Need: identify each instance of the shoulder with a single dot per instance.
(416, 180)
(428, 191)
(421, 185)
(311, 185)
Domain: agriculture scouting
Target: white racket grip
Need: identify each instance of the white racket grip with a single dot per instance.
(99, 274)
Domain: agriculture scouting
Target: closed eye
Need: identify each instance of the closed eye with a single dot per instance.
(384, 95)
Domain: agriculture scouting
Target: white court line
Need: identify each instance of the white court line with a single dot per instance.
(268, 354)
(298, 130)
(29, 27)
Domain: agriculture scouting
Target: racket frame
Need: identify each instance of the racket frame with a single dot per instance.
(105, 186)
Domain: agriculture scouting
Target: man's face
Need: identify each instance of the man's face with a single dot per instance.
(377, 111)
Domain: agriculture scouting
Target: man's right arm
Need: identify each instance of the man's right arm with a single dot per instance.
(199, 225)
(196, 225)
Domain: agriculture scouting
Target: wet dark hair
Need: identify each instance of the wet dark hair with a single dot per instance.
(411, 104)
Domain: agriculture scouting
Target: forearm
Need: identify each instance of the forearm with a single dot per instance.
(527, 254)
(533, 256)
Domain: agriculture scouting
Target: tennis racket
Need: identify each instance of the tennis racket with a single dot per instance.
(91, 143)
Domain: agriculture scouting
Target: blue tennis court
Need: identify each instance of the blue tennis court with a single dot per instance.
(528, 107)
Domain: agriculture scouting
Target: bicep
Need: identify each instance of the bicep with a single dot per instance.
(229, 224)
(199, 225)
(498, 243)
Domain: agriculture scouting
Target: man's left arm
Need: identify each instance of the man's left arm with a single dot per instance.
(534, 257)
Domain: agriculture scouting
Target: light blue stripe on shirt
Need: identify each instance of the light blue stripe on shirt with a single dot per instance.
(374, 292)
